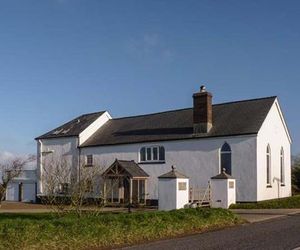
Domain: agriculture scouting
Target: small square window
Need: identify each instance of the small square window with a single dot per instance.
(89, 160)
(63, 188)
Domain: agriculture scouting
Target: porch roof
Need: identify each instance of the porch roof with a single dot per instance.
(125, 168)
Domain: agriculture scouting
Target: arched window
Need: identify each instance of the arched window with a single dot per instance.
(226, 158)
(282, 177)
(268, 155)
(152, 154)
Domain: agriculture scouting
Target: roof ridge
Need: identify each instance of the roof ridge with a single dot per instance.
(247, 100)
(155, 113)
(92, 113)
(175, 110)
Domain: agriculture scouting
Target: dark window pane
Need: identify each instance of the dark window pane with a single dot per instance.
(155, 154)
(226, 148)
(89, 160)
(143, 154)
(141, 190)
(268, 169)
(226, 162)
(135, 191)
(148, 154)
(161, 153)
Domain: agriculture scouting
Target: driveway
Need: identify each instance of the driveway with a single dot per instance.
(280, 233)
(257, 215)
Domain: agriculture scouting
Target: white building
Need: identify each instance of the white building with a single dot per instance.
(249, 138)
(22, 188)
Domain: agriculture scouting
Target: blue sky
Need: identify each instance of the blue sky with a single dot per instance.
(62, 58)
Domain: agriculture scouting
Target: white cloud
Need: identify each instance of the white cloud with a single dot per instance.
(5, 156)
(150, 46)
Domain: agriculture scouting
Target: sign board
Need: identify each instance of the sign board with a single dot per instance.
(182, 186)
(231, 184)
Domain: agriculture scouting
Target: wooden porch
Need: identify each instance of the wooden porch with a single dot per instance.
(125, 182)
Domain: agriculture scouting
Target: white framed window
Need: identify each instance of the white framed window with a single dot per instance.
(268, 164)
(89, 160)
(152, 154)
(282, 174)
(225, 158)
(63, 188)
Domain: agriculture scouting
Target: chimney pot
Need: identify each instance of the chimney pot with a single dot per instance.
(202, 89)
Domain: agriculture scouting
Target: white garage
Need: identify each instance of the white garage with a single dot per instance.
(22, 188)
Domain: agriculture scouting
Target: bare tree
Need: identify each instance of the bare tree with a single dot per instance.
(68, 188)
(56, 178)
(10, 169)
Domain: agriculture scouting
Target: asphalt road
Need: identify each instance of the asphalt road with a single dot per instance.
(280, 233)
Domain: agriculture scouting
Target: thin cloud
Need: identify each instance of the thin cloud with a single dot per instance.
(150, 46)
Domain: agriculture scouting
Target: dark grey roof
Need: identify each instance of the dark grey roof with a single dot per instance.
(131, 167)
(222, 176)
(229, 119)
(72, 128)
(172, 175)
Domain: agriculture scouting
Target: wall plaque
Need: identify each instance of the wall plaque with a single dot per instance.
(182, 186)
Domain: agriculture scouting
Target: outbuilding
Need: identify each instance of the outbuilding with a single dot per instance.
(23, 188)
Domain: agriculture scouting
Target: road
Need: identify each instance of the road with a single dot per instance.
(280, 233)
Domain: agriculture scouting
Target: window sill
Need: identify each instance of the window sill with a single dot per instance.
(269, 186)
(89, 165)
(152, 162)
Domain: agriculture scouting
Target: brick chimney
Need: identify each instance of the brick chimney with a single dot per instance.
(202, 111)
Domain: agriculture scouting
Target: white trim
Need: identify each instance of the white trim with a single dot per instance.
(282, 166)
(151, 154)
(282, 119)
(269, 165)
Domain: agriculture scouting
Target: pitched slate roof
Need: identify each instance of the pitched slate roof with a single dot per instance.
(229, 119)
(222, 176)
(131, 167)
(173, 174)
(72, 128)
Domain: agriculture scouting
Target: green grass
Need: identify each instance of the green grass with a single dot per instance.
(289, 202)
(47, 231)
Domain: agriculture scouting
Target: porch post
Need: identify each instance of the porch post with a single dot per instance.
(104, 190)
(145, 191)
(119, 189)
(130, 187)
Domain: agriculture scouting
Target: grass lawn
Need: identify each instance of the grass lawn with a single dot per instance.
(47, 231)
(289, 202)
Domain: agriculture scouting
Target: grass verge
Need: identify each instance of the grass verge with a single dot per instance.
(47, 231)
(289, 202)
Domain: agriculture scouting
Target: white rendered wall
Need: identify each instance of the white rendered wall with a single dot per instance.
(221, 193)
(196, 158)
(167, 194)
(12, 192)
(57, 148)
(90, 130)
(182, 196)
(29, 192)
(274, 133)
